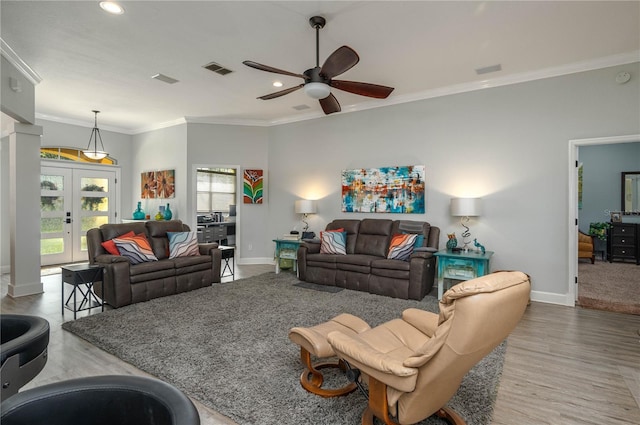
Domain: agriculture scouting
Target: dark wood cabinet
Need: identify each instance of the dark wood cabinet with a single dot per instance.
(623, 242)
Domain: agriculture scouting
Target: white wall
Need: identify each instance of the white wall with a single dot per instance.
(164, 149)
(508, 145)
(118, 145)
(247, 148)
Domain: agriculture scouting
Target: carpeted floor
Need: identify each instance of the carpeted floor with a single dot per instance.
(227, 346)
(609, 286)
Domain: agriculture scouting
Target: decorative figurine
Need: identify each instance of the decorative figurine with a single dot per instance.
(478, 245)
(452, 242)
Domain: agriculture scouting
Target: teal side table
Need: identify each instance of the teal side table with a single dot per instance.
(461, 266)
(287, 249)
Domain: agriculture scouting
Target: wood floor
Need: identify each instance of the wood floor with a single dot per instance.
(564, 366)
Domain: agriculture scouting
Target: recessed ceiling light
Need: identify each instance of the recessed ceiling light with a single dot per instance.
(277, 84)
(112, 7)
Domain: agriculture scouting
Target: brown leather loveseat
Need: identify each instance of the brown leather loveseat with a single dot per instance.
(126, 283)
(365, 267)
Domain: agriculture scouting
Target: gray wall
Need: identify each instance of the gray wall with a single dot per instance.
(19, 105)
(508, 145)
(601, 192)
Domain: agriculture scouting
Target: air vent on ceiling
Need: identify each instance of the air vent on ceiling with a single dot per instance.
(301, 107)
(217, 68)
(164, 78)
(488, 69)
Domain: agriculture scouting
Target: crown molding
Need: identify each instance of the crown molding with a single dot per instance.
(81, 123)
(572, 68)
(28, 72)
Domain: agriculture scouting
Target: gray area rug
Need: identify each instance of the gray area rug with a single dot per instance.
(227, 346)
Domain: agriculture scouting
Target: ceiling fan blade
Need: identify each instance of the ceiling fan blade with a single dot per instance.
(363, 89)
(281, 92)
(330, 104)
(267, 68)
(342, 60)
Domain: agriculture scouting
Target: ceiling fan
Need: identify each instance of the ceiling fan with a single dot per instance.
(319, 80)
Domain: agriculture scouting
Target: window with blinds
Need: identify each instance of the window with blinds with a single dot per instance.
(216, 189)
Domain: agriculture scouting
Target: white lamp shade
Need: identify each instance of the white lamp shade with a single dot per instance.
(466, 207)
(317, 90)
(305, 206)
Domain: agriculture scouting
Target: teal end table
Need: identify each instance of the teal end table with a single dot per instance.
(461, 266)
(287, 249)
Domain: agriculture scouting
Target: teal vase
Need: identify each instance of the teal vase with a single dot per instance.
(167, 213)
(138, 214)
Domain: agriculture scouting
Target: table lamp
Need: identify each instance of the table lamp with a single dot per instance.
(305, 207)
(465, 208)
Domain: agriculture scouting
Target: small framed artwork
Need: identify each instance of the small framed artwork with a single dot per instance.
(253, 186)
(616, 217)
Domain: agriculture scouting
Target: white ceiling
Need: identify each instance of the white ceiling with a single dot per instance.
(88, 59)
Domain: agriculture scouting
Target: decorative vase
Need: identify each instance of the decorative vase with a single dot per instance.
(159, 216)
(452, 242)
(138, 214)
(167, 213)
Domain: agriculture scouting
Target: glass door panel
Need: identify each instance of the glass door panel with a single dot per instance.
(73, 200)
(55, 202)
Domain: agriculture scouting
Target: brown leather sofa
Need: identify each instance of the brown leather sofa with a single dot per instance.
(125, 283)
(366, 267)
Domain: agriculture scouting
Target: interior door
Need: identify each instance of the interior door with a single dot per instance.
(73, 200)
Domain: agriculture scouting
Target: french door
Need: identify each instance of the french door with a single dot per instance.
(72, 201)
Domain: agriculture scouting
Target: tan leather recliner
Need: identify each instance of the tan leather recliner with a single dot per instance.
(414, 365)
(585, 247)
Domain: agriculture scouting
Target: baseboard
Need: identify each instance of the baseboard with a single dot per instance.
(552, 298)
(257, 260)
(5, 269)
(22, 290)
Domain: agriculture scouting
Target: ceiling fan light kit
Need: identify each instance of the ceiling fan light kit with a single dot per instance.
(317, 90)
(318, 81)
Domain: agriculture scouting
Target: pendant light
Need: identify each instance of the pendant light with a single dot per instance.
(94, 153)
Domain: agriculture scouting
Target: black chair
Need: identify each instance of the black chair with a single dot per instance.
(101, 400)
(24, 341)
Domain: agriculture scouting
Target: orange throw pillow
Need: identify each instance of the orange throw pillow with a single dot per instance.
(110, 245)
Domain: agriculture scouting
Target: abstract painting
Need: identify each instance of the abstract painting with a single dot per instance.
(384, 190)
(252, 192)
(158, 184)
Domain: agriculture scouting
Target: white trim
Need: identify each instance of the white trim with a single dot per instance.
(255, 260)
(25, 70)
(523, 77)
(572, 292)
(22, 290)
(552, 298)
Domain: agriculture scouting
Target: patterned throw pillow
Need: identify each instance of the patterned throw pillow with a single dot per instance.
(332, 242)
(110, 245)
(183, 244)
(135, 248)
(401, 247)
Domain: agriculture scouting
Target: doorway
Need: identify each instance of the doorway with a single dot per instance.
(73, 199)
(574, 210)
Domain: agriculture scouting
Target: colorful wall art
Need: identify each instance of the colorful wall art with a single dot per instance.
(252, 192)
(158, 184)
(384, 190)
